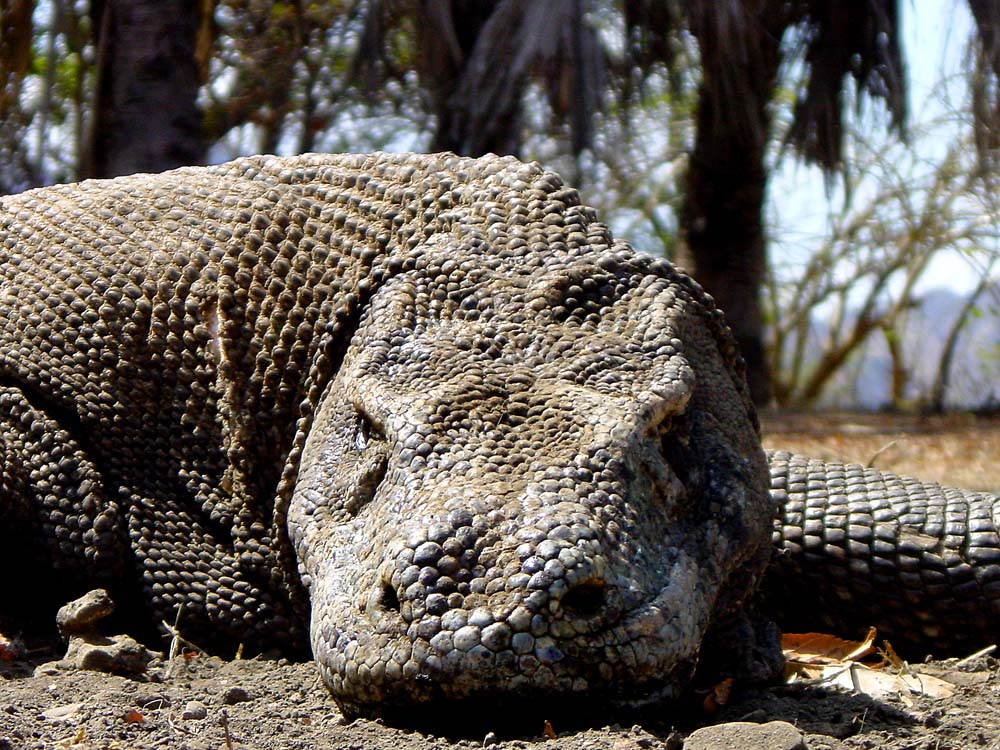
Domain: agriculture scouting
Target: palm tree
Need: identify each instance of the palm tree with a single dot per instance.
(475, 58)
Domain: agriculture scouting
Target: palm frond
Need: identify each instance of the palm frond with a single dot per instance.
(476, 58)
(857, 38)
(985, 79)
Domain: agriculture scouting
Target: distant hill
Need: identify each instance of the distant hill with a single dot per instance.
(975, 373)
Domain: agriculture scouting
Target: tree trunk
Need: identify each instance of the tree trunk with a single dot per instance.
(722, 225)
(942, 380)
(448, 60)
(146, 117)
(723, 245)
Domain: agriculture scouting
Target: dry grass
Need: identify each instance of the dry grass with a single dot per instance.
(959, 450)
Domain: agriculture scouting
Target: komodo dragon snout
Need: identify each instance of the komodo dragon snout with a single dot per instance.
(499, 507)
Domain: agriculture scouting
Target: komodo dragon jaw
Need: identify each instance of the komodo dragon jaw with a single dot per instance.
(569, 508)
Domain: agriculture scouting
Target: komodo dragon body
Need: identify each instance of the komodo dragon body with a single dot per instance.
(426, 415)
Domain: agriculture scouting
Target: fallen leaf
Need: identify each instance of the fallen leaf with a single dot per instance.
(718, 696)
(548, 731)
(967, 679)
(78, 739)
(821, 648)
(890, 655)
(133, 717)
(878, 684)
(11, 648)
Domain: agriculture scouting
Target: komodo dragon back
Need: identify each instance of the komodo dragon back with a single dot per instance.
(419, 413)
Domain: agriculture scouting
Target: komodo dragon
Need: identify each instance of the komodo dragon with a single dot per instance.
(424, 413)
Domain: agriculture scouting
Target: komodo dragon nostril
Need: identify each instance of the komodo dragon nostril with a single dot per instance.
(388, 599)
(586, 598)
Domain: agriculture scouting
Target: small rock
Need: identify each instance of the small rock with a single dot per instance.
(742, 735)
(64, 713)
(755, 717)
(639, 740)
(48, 669)
(194, 710)
(235, 695)
(841, 729)
(490, 739)
(81, 615)
(822, 742)
(152, 701)
(119, 654)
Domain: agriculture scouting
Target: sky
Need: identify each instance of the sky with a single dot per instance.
(935, 34)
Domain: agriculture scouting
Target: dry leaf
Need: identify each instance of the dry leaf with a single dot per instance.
(548, 731)
(878, 684)
(78, 739)
(821, 648)
(831, 660)
(11, 648)
(964, 679)
(718, 696)
(890, 655)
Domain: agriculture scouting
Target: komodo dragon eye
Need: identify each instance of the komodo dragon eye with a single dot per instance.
(370, 461)
(678, 451)
(367, 430)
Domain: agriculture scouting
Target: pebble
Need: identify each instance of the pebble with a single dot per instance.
(152, 701)
(743, 735)
(66, 712)
(194, 710)
(235, 695)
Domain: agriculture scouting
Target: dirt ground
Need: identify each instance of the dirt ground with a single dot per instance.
(204, 703)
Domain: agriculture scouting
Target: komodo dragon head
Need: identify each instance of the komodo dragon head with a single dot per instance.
(530, 479)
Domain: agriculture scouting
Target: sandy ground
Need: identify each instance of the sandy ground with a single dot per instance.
(202, 703)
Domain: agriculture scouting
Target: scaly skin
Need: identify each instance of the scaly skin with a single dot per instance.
(860, 547)
(421, 412)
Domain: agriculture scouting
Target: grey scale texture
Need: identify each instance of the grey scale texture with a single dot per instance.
(425, 416)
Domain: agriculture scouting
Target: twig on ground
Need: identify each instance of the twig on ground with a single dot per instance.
(880, 451)
(224, 721)
(981, 652)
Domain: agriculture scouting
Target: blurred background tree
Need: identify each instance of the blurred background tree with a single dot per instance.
(670, 116)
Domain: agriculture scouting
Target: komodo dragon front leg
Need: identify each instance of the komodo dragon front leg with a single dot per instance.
(56, 497)
(65, 531)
